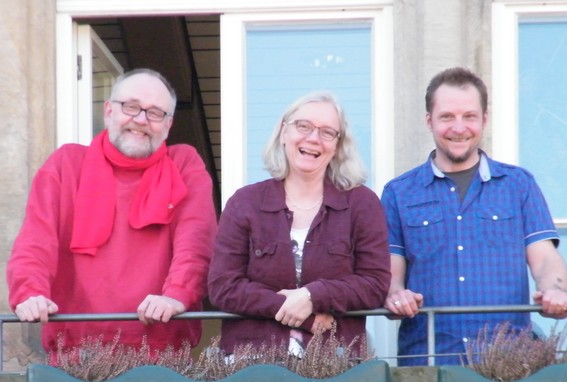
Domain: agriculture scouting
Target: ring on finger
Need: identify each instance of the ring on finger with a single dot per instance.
(396, 303)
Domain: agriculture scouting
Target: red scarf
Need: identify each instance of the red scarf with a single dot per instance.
(159, 192)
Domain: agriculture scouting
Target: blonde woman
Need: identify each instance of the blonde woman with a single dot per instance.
(306, 246)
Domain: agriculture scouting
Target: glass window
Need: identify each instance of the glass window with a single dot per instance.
(543, 108)
(528, 113)
(285, 62)
(542, 120)
(98, 69)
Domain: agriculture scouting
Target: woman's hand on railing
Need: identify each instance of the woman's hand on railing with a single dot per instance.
(296, 307)
(36, 308)
(322, 323)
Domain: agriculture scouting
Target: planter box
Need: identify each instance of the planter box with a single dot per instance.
(371, 371)
(553, 373)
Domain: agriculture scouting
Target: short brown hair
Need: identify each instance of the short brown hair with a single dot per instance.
(460, 77)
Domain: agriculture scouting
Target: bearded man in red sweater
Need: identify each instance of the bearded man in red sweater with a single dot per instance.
(123, 225)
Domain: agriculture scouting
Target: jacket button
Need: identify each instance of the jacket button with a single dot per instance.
(258, 252)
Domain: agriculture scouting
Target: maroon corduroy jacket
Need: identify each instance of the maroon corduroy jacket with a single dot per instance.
(346, 263)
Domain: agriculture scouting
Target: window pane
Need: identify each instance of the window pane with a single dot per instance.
(105, 70)
(285, 62)
(102, 85)
(543, 108)
(543, 119)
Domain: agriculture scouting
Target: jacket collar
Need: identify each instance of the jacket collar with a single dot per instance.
(273, 198)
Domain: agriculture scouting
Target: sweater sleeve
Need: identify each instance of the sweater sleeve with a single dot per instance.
(193, 232)
(32, 266)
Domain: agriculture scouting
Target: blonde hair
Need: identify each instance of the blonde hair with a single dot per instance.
(346, 170)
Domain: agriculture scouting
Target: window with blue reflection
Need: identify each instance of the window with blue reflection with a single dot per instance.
(286, 62)
(543, 108)
(543, 121)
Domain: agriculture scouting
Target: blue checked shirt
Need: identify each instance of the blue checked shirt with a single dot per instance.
(462, 254)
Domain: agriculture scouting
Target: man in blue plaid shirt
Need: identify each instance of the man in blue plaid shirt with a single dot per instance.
(462, 228)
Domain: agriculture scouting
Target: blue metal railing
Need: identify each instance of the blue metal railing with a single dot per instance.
(429, 311)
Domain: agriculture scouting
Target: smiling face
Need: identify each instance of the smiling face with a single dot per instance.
(138, 137)
(309, 154)
(457, 123)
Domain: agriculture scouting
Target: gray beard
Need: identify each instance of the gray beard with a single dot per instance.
(133, 151)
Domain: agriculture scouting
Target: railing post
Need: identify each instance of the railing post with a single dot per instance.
(431, 338)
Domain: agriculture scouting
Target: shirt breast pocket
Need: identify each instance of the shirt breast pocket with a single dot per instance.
(499, 226)
(342, 259)
(261, 259)
(425, 231)
(260, 249)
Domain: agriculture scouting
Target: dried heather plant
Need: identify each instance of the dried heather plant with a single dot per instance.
(96, 361)
(93, 360)
(330, 357)
(321, 359)
(214, 364)
(506, 354)
(179, 360)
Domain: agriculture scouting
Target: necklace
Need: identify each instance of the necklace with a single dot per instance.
(294, 204)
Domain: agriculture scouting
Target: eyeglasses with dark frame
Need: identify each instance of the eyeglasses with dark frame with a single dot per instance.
(306, 127)
(132, 109)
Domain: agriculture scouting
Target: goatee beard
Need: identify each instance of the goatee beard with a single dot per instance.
(458, 159)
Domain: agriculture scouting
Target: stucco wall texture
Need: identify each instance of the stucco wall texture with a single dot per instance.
(27, 106)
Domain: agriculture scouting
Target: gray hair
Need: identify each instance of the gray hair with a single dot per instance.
(345, 170)
(149, 72)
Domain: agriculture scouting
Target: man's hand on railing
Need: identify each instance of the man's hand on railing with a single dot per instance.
(157, 308)
(36, 308)
(553, 302)
(404, 303)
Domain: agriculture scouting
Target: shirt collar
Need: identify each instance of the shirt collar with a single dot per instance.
(485, 169)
